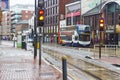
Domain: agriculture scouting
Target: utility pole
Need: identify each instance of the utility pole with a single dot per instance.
(35, 35)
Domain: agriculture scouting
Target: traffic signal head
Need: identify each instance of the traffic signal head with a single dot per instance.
(40, 3)
(41, 18)
(41, 15)
(101, 24)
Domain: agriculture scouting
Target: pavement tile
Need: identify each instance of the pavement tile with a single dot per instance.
(21, 67)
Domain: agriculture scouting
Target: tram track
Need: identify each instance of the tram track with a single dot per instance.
(91, 70)
(86, 72)
(76, 73)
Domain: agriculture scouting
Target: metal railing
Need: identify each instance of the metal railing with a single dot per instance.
(107, 50)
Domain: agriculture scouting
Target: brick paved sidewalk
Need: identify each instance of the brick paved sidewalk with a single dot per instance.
(20, 67)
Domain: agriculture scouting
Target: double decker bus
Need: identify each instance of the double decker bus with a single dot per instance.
(77, 35)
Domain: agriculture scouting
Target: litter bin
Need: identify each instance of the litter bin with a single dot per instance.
(23, 45)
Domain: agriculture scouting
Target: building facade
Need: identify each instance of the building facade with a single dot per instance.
(110, 11)
(73, 13)
(5, 28)
(55, 11)
(20, 14)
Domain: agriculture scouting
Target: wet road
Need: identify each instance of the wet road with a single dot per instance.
(80, 69)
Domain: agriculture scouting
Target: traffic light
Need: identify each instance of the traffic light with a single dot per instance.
(40, 13)
(41, 17)
(101, 24)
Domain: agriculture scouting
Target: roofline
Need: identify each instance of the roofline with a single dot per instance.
(110, 1)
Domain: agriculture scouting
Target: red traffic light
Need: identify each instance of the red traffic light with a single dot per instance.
(41, 12)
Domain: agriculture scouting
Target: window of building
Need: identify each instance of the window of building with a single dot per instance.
(76, 19)
(51, 2)
(50, 19)
(68, 20)
(57, 1)
(56, 19)
(54, 1)
(56, 10)
(48, 12)
(51, 11)
(46, 4)
(51, 29)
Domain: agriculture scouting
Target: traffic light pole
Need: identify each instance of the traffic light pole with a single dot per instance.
(40, 23)
(40, 42)
(35, 35)
(100, 44)
(101, 29)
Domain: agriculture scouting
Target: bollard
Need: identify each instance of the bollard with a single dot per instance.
(64, 67)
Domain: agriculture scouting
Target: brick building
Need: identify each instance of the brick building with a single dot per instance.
(20, 14)
(23, 23)
(5, 29)
(55, 11)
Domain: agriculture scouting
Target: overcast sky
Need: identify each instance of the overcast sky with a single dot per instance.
(13, 2)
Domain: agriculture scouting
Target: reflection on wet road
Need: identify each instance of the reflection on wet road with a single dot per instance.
(81, 70)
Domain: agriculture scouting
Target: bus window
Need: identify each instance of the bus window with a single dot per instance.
(76, 37)
(84, 37)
